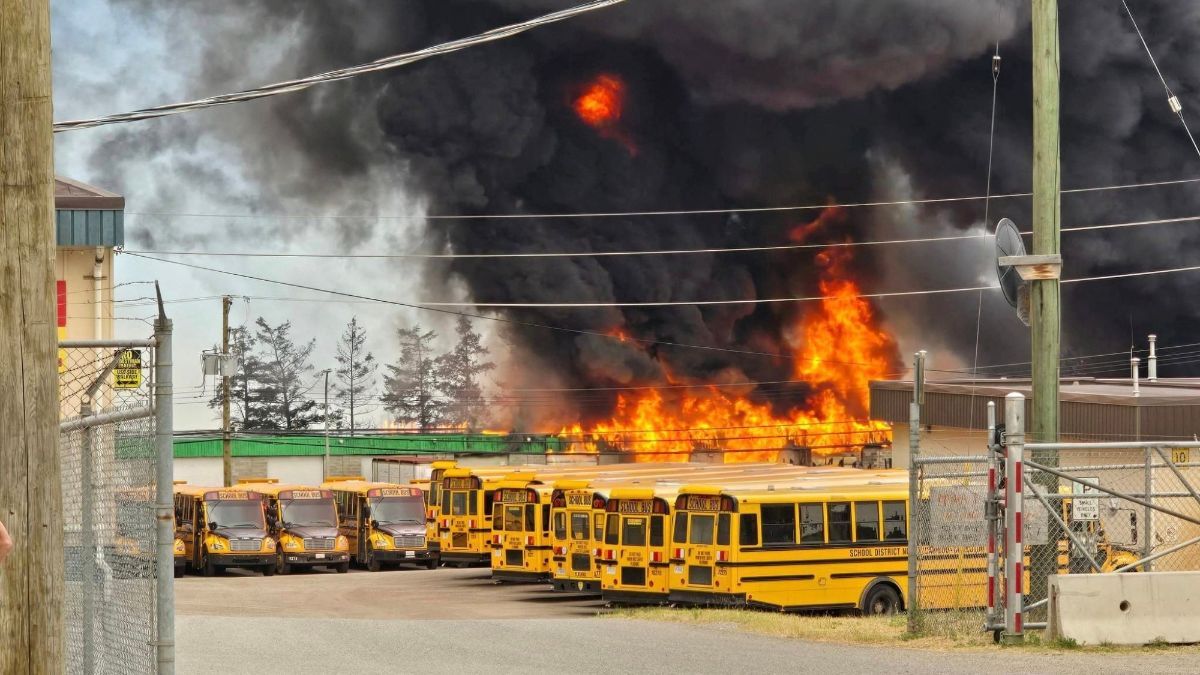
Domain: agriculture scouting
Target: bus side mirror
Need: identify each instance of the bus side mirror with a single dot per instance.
(375, 524)
(212, 525)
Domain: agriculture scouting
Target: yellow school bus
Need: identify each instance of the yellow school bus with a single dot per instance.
(577, 523)
(521, 530)
(633, 555)
(223, 527)
(384, 523)
(824, 547)
(303, 521)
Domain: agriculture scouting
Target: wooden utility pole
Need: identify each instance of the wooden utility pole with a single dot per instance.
(226, 440)
(31, 579)
(1044, 294)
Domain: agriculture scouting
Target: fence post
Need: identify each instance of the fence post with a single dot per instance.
(87, 539)
(1014, 547)
(165, 508)
(1148, 515)
(991, 512)
(914, 496)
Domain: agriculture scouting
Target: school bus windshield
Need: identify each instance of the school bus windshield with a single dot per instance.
(309, 512)
(240, 513)
(388, 511)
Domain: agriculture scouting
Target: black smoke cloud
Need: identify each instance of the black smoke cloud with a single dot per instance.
(731, 104)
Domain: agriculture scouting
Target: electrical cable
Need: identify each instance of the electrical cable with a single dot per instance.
(289, 86)
(1172, 100)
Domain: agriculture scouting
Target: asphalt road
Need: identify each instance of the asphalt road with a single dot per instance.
(450, 621)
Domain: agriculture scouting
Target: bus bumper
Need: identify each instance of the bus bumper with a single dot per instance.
(520, 576)
(591, 586)
(316, 559)
(410, 556)
(711, 599)
(466, 557)
(256, 560)
(633, 597)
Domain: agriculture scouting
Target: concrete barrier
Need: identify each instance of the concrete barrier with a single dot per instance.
(1125, 609)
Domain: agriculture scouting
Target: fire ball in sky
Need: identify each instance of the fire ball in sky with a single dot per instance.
(600, 105)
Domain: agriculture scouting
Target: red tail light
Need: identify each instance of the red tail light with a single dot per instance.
(529, 540)
(496, 539)
(471, 524)
(656, 556)
(678, 553)
(722, 556)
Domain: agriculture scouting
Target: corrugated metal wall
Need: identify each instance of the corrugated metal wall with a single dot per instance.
(76, 227)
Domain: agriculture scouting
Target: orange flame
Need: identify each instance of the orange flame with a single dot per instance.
(601, 106)
(840, 349)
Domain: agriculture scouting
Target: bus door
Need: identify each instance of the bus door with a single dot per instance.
(701, 540)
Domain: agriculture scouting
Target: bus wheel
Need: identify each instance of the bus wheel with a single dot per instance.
(209, 569)
(373, 562)
(281, 566)
(432, 564)
(269, 570)
(179, 572)
(883, 599)
(342, 568)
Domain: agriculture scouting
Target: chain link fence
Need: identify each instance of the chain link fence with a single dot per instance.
(109, 462)
(1084, 508)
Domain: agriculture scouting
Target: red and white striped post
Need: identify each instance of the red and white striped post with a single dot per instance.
(991, 513)
(1014, 546)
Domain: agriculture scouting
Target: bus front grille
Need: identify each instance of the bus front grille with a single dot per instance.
(581, 562)
(241, 545)
(318, 544)
(410, 541)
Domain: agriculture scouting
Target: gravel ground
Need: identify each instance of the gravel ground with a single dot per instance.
(450, 621)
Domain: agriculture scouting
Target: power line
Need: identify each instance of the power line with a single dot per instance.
(1172, 100)
(601, 254)
(290, 86)
(672, 212)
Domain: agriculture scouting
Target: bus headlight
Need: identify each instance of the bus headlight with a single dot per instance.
(342, 543)
(268, 544)
(379, 540)
(218, 544)
(293, 544)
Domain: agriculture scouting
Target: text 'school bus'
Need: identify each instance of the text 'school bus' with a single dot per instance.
(521, 531)
(384, 523)
(303, 521)
(223, 527)
(825, 547)
(577, 524)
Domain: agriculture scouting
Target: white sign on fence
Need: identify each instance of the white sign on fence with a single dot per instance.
(1085, 508)
(956, 515)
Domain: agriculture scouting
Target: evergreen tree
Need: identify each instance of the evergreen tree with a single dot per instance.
(458, 376)
(355, 374)
(245, 408)
(283, 385)
(410, 391)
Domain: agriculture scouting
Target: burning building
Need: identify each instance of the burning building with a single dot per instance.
(726, 107)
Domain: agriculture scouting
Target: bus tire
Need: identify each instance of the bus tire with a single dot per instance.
(373, 564)
(342, 568)
(881, 599)
(432, 564)
(282, 567)
(208, 569)
(268, 570)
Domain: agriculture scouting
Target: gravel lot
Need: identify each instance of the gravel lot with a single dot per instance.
(450, 621)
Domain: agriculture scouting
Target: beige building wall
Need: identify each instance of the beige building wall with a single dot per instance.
(76, 267)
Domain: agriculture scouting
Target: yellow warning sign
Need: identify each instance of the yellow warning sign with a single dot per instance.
(128, 373)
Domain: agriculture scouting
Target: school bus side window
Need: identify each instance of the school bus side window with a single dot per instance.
(473, 503)
(487, 503)
(778, 524)
(866, 521)
(894, 527)
(610, 529)
(723, 529)
(812, 523)
(748, 529)
(598, 526)
(680, 533)
(839, 522)
(560, 525)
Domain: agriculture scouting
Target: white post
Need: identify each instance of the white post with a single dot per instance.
(326, 424)
(1014, 545)
(1133, 365)
(991, 513)
(1152, 365)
